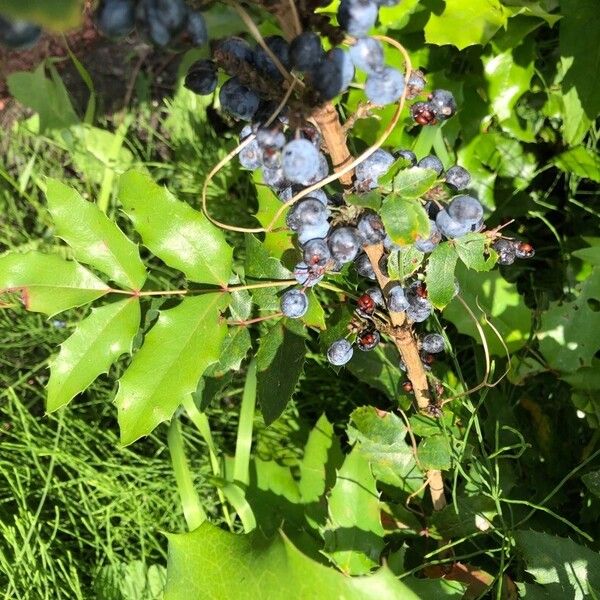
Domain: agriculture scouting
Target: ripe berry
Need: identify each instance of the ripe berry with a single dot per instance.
(316, 253)
(433, 163)
(271, 157)
(407, 155)
(443, 104)
(376, 295)
(368, 339)
(311, 232)
(506, 251)
(418, 314)
(306, 275)
(306, 212)
(356, 17)
(196, 28)
(270, 137)
(449, 227)
(344, 244)
(306, 51)
(433, 343)
(385, 87)
(294, 304)
(429, 244)
(416, 84)
(201, 77)
(275, 178)
(115, 18)
(340, 352)
(265, 64)
(369, 170)
(333, 75)
(238, 100)
(458, 177)
(422, 113)
(370, 227)
(235, 48)
(364, 267)
(465, 209)
(524, 250)
(367, 55)
(300, 161)
(366, 304)
(397, 301)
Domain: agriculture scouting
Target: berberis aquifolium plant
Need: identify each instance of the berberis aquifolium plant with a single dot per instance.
(357, 254)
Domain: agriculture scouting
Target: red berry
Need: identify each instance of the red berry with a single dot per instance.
(421, 290)
(422, 113)
(524, 250)
(407, 386)
(366, 304)
(368, 339)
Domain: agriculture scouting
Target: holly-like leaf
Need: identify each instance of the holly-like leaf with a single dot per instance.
(96, 343)
(58, 15)
(471, 249)
(354, 534)
(48, 283)
(381, 438)
(405, 220)
(579, 161)
(409, 183)
(176, 351)
(592, 482)
(469, 515)
(403, 263)
(440, 274)
(280, 361)
(378, 368)
(179, 235)
(501, 303)
(235, 347)
(237, 566)
(434, 453)
(569, 330)
(94, 238)
(315, 315)
(579, 30)
(262, 267)
(566, 569)
(463, 23)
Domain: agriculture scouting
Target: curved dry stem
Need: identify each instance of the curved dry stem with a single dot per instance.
(295, 17)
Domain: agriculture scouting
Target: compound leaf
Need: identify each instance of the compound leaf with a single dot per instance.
(94, 238)
(48, 283)
(95, 344)
(176, 351)
(179, 235)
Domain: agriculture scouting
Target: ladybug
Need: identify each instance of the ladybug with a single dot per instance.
(366, 304)
(368, 339)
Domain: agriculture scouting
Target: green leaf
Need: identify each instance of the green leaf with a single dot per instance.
(280, 361)
(592, 482)
(568, 332)
(579, 32)
(405, 220)
(440, 274)
(315, 315)
(378, 368)
(262, 267)
(501, 303)
(469, 515)
(354, 534)
(94, 238)
(46, 96)
(322, 455)
(235, 347)
(48, 283)
(508, 75)
(567, 569)
(471, 249)
(381, 438)
(434, 453)
(179, 235)
(591, 255)
(463, 23)
(95, 345)
(370, 199)
(176, 351)
(412, 183)
(58, 15)
(236, 566)
(397, 17)
(579, 161)
(403, 263)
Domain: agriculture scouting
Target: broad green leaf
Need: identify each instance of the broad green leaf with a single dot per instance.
(567, 569)
(48, 283)
(322, 455)
(378, 368)
(354, 534)
(405, 220)
(315, 315)
(58, 15)
(592, 482)
(501, 303)
(579, 32)
(508, 75)
(46, 96)
(568, 332)
(579, 161)
(440, 274)
(412, 183)
(235, 347)
(176, 351)
(397, 17)
(591, 255)
(212, 563)
(434, 453)
(463, 23)
(262, 267)
(370, 199)
(276, 242)
(94, 238)
(381, 438)
(280, 361)
(469, 515)
(95, 345)
(403, 263)
(179, 235)
(471, 249)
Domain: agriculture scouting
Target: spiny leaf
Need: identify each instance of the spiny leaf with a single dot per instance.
(440, 274)
(179, 235)
(95, 344)
(94, 238)
(176, 351)
(48, 283)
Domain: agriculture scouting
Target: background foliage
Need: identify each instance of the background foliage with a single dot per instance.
(82, 516)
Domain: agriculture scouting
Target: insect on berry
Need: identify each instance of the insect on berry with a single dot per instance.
(366, 304)
(524, 250)
(368, 339)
